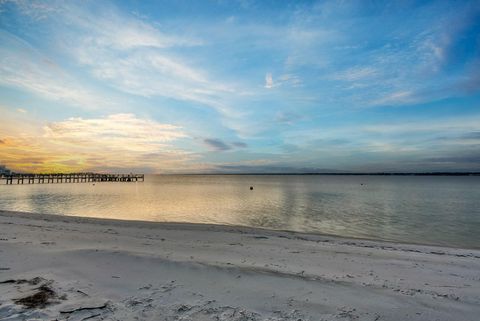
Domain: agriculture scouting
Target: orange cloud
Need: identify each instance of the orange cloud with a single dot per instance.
(120, 142)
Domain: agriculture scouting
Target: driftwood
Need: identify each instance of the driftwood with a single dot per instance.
(102, 306)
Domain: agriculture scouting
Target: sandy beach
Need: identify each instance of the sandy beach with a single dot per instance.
(71, 268)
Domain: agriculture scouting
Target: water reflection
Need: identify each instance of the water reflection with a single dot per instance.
(438, 210)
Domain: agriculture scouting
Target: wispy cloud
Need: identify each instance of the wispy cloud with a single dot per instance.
(395, 98)
(133, 56)
(288, 118)
(25, 68)
(446, 125)
(356, 73)
(472, 135)
(268, 81)
(122, 51)
(118, 131)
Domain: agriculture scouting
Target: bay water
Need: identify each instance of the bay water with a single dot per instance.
(441, 210)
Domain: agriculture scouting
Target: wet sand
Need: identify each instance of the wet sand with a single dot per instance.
(71, 268)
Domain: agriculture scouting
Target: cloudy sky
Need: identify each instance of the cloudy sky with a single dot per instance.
(240, 86)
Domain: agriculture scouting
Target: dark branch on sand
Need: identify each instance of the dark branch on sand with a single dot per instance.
(103, 306)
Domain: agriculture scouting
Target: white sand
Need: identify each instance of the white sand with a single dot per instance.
(124, 270)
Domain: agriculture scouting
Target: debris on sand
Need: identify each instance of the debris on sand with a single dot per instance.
(40, 292)
(35, 281)
(40, 299)
(83, 308)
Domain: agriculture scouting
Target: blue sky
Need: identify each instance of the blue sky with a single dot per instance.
(240, 86)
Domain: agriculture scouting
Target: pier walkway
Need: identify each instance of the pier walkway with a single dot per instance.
(10, 179)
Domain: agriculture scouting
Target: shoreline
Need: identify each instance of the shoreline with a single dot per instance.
(117, 269)
(225, 227)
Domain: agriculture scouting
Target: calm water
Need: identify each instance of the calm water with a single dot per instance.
(431, 210)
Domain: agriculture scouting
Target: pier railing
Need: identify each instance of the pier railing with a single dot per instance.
(10, 179)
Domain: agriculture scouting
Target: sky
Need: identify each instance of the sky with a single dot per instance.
(240, 86)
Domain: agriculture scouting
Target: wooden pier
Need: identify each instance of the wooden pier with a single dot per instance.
(10, 179)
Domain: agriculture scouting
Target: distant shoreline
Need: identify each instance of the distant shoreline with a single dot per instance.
(292, 174)
(335, 174)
